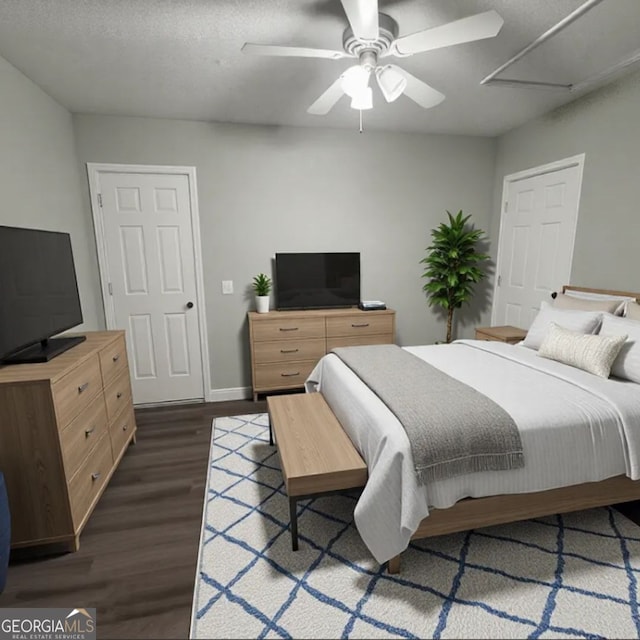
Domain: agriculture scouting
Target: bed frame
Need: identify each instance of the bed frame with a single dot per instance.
(473, 513)
(606, 292)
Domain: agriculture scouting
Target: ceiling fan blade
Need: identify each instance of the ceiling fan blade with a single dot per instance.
(420, 92)
(298, 52)
(363, 18)
(477, 27)
(327, 100)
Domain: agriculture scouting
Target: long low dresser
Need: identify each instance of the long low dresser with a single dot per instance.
(64, 426)
(286, 345)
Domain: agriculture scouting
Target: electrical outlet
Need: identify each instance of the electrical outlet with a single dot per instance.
(227, 287)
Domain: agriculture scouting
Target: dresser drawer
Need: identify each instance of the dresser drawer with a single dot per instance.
(311, 349)
(288, 329)
(355, 341)
(118, 395)
(362, 324)
(113, 360)
(79, 437)
(121, 430)
(75, 391)
(486, 336)
(92, 475)
(283, 375)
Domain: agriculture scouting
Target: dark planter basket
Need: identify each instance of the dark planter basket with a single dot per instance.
(5, 533)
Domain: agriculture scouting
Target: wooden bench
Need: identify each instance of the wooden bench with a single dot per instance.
(316, 455)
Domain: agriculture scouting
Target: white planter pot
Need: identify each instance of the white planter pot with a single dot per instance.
(262, 304)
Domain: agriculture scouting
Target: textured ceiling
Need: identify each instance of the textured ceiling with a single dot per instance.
(182, 59)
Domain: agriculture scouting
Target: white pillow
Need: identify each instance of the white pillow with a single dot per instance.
(581, 321)
(593, 353)
(627, 364)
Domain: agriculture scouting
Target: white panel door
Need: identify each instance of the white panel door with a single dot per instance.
(536, 243)
(149, 249)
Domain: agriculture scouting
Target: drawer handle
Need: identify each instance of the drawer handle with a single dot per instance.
(290, 375)
(83, 387)
(288, 350)
(362, 324)
(88, 432)
(119, 395)
(288, 328)
(125, 427)
(116, 357)
(95, 476)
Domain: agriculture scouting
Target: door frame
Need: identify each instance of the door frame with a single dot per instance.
(551, 167)
(94, 170)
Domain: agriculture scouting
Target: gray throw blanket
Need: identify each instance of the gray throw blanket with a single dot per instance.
(453, 429)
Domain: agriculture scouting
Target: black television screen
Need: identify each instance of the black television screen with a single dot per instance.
(317, 280)
(38, 294)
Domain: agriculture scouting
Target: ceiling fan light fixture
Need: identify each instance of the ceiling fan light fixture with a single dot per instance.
(371, 35)
(363, 100)
(391, 82)
(355, 81)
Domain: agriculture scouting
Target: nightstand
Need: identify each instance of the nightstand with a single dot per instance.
(501, 334)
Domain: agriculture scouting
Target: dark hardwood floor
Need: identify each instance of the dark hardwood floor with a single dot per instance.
(138, 552)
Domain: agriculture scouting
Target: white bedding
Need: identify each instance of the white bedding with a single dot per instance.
(574, 427)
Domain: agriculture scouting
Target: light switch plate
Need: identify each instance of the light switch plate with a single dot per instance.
(227, 287)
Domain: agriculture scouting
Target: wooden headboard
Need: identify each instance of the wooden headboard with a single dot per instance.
(606, 292)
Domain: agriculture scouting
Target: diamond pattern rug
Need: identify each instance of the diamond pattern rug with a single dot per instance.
(569, 576)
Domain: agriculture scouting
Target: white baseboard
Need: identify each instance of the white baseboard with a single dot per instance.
(215, 395)
(233, 393)
(170, 403)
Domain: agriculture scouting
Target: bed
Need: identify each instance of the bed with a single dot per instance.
(580, 437)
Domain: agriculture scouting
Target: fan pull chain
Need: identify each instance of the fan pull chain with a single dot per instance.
(360, 111)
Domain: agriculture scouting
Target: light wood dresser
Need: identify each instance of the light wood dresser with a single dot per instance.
(286, 345)
(64, 426)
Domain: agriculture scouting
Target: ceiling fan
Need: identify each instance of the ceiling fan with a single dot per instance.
(371, 36)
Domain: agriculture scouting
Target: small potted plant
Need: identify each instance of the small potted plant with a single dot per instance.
(262, 288)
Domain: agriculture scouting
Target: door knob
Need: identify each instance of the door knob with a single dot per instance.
(189, 305)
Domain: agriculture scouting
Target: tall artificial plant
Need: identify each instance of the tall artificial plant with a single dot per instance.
(453, 265)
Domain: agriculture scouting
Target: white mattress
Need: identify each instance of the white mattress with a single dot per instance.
(574, 427)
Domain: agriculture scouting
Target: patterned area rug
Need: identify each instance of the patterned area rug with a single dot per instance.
(571, 576)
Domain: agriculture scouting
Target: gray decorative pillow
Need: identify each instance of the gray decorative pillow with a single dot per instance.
(581, 321)
(632, 311)
(592, 353)
(564, 301)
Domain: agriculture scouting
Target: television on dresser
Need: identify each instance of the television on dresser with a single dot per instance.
(317, 280)
(38, 295)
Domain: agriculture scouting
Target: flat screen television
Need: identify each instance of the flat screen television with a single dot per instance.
(38, 295)
(317, 280)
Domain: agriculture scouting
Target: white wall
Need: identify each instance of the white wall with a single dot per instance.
(267, 189)
(40, 180)
(605, 125)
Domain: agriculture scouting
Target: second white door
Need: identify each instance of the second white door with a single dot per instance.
(149, 246)
(536, 242)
